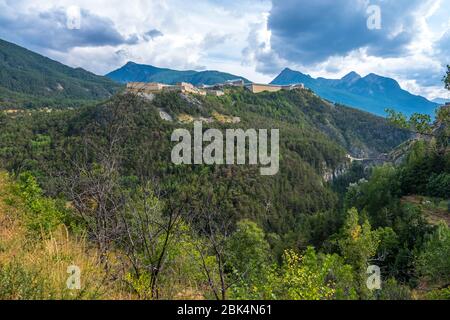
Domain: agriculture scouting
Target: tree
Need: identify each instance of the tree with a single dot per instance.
(93, 181)
(312, 276)
(358, 244)
(375, 196)
(422, 124)
(418, 123)
(214, 231)
(304, 277)
(433, 263)
(148, 236)
(249, 260)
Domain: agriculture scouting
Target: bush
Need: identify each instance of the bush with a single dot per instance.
(439, 185)
(42, 214)
(17, 283)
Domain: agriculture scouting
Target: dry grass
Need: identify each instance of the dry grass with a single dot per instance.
(47, 259)
(433, 213)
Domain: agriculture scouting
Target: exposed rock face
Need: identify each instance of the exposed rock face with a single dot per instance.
(331, 174)
(165, 116)
(147, 96)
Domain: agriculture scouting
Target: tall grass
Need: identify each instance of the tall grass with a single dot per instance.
(35, 267)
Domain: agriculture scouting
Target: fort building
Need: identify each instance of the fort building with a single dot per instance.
(143, 87)
(258, 88)
(153, 87)
(185, 87)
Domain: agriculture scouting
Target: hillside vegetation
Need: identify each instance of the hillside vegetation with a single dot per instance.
(315, 138)
(28, 79)
(155, 230)
(36, 249)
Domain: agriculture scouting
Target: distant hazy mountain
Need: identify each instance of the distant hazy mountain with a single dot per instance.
(133, 72)
(441, 101)
(27, 77)
(372, 93)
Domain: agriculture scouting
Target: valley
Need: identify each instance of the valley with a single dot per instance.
(88, 182)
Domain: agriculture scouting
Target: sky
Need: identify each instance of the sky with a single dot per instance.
(408, 40)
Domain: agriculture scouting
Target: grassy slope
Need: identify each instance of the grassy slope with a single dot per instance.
(435, 213)
(36, 267)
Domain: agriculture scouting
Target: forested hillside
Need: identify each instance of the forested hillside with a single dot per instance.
(162, 231)
(28, 79)
(315, 139)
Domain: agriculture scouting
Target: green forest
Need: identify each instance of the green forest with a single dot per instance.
(94, 187)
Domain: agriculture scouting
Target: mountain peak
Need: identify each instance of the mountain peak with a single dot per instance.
(352, 76)
(372, 93)
(287, 70)
(373, 78)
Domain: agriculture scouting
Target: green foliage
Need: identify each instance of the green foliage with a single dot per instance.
(440, 294)
(375, 195)
(398, 119)
(358, 244)
(433, 261)
(425, 170)
(312, 276)
(439, 185)
(47, 144)
(304, 278)
(420, 123)
(249, 260)
(273, 219)
(30, 80)
(18, 283)
(42, 214)
(392, 290)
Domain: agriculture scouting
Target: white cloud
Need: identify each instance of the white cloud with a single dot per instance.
(418, 64)
(234, 37)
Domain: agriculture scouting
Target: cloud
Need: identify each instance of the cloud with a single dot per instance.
(52, 30)
(153, 34)
(252, 38)
(443, 48)
(310, 32)
(259, 51)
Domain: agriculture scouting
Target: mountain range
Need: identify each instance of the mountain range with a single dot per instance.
(372, 93)
(30, 79)
(27, 77)
(133, 72)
